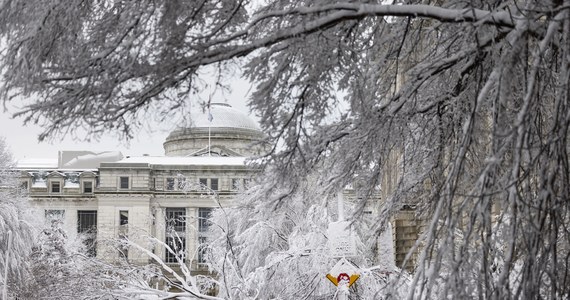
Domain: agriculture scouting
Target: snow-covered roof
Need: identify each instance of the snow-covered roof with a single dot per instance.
(37, 163)
(70, 160)
(223, 115)
(56, 173)
(90, 160)
(190, 160)
(40, 183)
(71, 185)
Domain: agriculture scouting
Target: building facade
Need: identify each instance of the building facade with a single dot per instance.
(108, 197)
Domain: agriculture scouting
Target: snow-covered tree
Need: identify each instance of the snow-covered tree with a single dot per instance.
(59, 268)
(162, 278)
(267, 252)
(16, 223)
(466, 101)
(167, 280)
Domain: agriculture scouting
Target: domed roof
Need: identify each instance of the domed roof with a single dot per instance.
(223, 115)
(222, 129)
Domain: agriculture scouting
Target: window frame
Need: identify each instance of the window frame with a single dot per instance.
(212, 184)
(167, 183)
(203, 182)
(170, 241)
(236, 184)
(181, 183)
(128, 183)
(90, 231)
(176, 221)
(206, 183)
(204, 215)
(123, 220)
(53, 184)
(175, 218)
(204, 223)
(84, 187)
(25, 185)
(123, 233)
(202, 250)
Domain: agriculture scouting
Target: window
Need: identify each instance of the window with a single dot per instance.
(176, 219)
(24, 185)
(236, 184)
(204, 214)
(202, 248)
(55, 187)
(54, 215)
(181, 183)
(123, 217)
(246, 183)
(170, 184)
(214, 184)
(124, 182)
(123, 233)
(86, 221)
(175, 234)
(203, 183)
(87, 225)
(88, 187)
(177, 245)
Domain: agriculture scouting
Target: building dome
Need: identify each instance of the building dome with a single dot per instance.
(223, 115)
(220, 131)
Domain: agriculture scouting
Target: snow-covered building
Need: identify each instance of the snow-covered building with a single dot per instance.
(109, 196)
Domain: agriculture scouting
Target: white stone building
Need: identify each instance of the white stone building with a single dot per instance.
(108, 196)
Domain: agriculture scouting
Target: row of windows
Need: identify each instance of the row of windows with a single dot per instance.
(176, 219)
(175, 231)
(176, 237)
(171, 184)
(177, 183)
(55, 187)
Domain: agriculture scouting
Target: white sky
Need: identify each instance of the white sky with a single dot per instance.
(23, 140)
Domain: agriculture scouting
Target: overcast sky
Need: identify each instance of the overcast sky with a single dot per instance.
(23, 140)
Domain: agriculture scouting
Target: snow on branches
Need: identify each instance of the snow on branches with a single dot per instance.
(458, 109)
